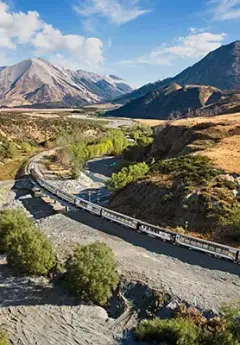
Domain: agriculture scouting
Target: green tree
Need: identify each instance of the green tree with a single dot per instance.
(127, 175)
(28, 250)
(31, 252)
(91, 273)
(11, 223)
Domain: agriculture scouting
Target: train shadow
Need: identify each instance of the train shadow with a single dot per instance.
(151, 244)
(36, 206)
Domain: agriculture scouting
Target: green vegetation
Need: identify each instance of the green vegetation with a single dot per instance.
(12, 221)
(91, 273)
(113, 143)
(28, 250)
(191, 170)
(191, 328)
(22, 135)
(4, 339)
(229, 225)
(127, 175)
(172, 332)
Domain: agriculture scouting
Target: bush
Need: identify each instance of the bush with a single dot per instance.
(11, 223)
(28, 250)
(91, 273)
(31, 252)
(127, 175)
(229, 225)
(192, 170)
(4, 339)
(11, 150)
(173, 331)
(27, 147)
(189, 327)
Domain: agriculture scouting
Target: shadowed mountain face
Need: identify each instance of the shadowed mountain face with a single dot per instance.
(173, 100)
(39, 83)
(220, 68)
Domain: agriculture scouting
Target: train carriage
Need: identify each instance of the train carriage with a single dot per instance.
(208, 247)
(120, 218)
(156, 232)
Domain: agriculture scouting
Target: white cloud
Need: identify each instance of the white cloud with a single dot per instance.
(118, 11)
(191, 46)
(18, 28)
(225, 9)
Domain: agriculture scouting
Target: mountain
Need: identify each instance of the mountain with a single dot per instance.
(220, 68)
(36, 82)
(176, 100)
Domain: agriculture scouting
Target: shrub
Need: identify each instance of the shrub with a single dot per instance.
(173, 331)
(12, 221)
(27, 147)
(11, 150)
(192, 170)
(190, 327)
(31, 252)
(4, 339)
(127, 175)
(229, 225)
(28, 250)
(91, 273)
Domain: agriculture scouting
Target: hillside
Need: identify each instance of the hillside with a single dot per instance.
(194, 176)
(37, 82)
(160, 104)
(220, 68)
(22, 135)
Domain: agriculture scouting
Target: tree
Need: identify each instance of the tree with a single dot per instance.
(127, 175)
(28, 250)
(91, 273)
(12, 222)
(31, 252)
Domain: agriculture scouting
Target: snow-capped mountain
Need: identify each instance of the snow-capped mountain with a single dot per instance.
(40, 83)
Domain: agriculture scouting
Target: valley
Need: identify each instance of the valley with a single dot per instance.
(166, 154)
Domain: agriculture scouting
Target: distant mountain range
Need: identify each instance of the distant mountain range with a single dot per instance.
(36, 82)
(205, 84)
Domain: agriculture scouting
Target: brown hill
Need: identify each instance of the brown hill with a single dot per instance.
(195, 178)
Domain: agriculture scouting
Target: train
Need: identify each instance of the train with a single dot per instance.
(208, 247)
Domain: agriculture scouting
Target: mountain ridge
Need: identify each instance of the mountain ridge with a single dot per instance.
(34, 82)
(224, 74)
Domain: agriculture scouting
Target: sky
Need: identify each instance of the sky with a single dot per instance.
(140, 41)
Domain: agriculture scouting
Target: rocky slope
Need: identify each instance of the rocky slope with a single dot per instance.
(183, 185)
(173, 100)
(220, 68)
(39, 83)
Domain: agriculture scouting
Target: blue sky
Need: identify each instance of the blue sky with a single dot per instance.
(138, 40)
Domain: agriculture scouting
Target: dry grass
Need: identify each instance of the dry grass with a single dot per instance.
(151, 123)
(9, 170)
(225, 154)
